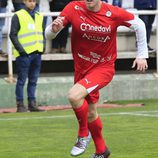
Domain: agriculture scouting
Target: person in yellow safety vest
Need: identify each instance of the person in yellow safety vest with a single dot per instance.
(27, 36)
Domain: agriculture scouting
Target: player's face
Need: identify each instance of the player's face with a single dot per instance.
(30, 4)
(93, 5)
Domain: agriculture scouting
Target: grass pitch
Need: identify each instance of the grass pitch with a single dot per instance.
(129, 133)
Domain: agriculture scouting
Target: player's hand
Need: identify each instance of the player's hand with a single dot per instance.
(140, 64)
(57, 24)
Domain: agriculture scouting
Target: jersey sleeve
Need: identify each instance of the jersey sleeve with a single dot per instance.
(67, 12)
(124, 16)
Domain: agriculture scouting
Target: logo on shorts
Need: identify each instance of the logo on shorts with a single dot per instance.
(109, 57)
(87, 81)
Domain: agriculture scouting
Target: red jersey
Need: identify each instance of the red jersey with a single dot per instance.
(93, 38)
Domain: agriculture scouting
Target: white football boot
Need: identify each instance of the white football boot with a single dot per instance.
(80, 145)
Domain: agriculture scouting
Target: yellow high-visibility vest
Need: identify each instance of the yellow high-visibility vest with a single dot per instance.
(30, 34)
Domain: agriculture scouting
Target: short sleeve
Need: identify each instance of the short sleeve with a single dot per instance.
(67, 12)
(124, 16)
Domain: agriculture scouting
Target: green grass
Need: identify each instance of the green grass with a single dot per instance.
(129, 133)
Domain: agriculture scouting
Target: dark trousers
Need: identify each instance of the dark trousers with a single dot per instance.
(117, 3)
(148, 20)
(61, 40)
(27, 67)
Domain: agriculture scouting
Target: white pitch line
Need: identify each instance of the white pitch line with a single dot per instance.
(146, 115)
(35, 117)
(134, 113)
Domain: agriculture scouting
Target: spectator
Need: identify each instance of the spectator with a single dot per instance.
(60, 42)
(18, 4)
(148, 19)
(27, 36)
(93, 42)
(3, 5)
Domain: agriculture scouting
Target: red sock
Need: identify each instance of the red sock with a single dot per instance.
(95, 128)
(82, 117)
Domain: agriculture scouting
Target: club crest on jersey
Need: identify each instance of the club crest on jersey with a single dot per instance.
(108, 13)
(78, 8)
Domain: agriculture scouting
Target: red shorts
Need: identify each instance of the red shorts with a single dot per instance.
(94, 80)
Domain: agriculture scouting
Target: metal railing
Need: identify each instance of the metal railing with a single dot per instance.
(10, 77)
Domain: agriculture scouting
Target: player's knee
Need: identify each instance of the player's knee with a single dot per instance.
(73, 98)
